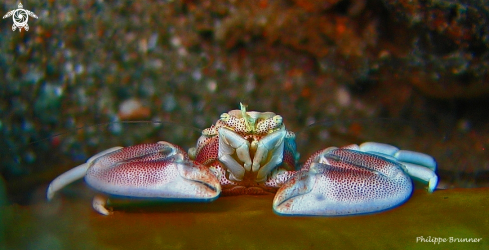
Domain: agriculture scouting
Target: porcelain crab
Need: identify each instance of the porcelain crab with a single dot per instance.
(249, 152)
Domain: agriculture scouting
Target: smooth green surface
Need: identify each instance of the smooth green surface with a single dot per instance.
(248, 222)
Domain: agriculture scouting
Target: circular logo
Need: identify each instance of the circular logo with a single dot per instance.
(20, 17)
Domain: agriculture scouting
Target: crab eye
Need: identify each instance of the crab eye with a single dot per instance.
(278, 119)
(225, 116)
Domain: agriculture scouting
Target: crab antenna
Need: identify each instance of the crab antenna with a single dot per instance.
(249, 121)
(243, 109)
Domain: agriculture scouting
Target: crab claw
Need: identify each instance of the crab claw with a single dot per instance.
(173, 177)
(174, 180)
(157, 170)
(340, 184)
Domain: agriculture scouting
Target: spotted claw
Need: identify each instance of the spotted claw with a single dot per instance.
(158, 170)
(354, 180)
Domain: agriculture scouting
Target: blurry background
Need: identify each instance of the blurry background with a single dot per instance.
(409, 73)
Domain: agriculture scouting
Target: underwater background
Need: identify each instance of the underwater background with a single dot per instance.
(408, 73)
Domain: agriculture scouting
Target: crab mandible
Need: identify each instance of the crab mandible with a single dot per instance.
(248, 152)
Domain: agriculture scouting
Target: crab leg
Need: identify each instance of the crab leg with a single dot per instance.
(74, 174)
(66, 178)
(99, 204)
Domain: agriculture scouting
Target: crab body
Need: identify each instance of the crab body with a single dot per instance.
(248, 152)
